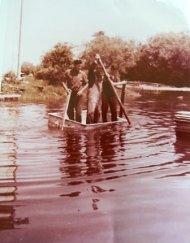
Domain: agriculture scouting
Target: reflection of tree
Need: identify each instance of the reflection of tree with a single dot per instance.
(8, 167)
(8, 180)
(8, 219)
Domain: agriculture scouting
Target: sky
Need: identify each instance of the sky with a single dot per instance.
(47, 22)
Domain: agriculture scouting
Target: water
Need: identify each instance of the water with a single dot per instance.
(116, 184)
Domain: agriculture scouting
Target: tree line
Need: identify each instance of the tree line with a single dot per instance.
(164, 58)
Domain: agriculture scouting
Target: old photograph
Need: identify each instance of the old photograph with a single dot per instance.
(95, 121)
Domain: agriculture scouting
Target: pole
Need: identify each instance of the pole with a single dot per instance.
(65, 109)
(115, 93)
(122, 99)
(68, 92)
(19, 41)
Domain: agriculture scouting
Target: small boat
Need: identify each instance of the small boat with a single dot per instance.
(61, 120)
(55, 120)
(182, 119)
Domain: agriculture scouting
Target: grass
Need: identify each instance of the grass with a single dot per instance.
(35, 91)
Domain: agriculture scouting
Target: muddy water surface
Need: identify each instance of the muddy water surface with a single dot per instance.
(118, 184)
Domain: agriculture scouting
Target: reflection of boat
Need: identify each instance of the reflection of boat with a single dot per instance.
(56, 120)
(182, 119)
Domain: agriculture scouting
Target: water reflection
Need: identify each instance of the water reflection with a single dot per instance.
(93, 153)
(71, 164)
(90, 158)
(182, 147)
(109, 154)
(181, 166)
(71, 178)
(90, 155)
(8, 168)
(8, 219)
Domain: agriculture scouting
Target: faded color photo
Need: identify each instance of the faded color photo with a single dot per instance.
(95, 121)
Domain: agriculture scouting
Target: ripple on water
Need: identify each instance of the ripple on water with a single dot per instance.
(46, 167)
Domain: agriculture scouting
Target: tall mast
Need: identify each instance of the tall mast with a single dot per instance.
(19, 41)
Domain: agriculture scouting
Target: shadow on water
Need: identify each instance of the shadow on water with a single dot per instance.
(8, 186)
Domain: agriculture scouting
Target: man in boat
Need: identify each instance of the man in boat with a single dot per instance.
(77, 82)
(109, 99)
(95, 77)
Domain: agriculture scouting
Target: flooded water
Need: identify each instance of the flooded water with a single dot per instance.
(117, 184)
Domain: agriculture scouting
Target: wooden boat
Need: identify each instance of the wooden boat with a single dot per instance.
(61, 120)
(182, 119)
(55, 120)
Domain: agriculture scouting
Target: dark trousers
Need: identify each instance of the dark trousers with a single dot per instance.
(74, 111)
(106, 103)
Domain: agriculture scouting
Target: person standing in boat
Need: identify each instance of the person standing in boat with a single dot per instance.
(76, 80)
(109, 99)
(94, 100)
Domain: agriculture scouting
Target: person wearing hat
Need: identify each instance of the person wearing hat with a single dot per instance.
(76, 80)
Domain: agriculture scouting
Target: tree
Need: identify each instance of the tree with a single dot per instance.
(165, 59)
(27, 68)
(10, 77)
(113, 51)
(54, 63)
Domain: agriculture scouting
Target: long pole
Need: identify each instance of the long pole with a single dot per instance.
(122, 99)
(115, 93)
(68, 92)
(19, 41)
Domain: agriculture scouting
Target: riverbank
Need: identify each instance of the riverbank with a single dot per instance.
(30, 90)
(9, 97)
(34, 91)
(138, 85)
(39, 91)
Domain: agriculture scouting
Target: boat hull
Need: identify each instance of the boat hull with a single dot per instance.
(182, 120)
